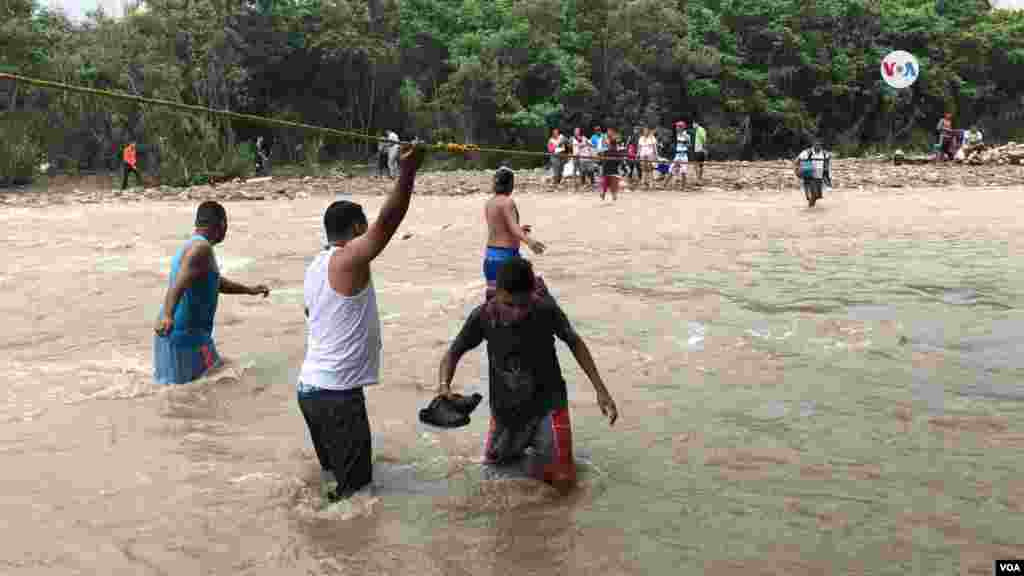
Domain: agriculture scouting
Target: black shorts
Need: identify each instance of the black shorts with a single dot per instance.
(700, 157)
(340, 429)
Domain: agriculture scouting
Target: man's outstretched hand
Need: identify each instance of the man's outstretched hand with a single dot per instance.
(604, 400)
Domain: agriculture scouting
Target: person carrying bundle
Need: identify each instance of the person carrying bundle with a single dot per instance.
(813, 168)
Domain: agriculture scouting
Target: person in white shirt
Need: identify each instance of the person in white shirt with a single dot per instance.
(344, 338)
(393, 152)
(974, 140)
(585, 158)
(648, 154)
(558, 146)
(681, 159)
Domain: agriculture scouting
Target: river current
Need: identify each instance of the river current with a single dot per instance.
(802, 391)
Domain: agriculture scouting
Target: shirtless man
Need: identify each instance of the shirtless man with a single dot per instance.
(504, 233)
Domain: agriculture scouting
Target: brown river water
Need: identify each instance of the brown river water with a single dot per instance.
(833, 390)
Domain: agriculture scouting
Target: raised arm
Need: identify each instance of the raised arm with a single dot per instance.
(366, 247)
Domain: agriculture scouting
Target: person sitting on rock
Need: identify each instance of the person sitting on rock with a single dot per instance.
(973, 140)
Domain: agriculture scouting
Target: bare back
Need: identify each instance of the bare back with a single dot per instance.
(498, 211)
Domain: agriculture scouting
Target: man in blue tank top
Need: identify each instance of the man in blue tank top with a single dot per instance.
(183, 348)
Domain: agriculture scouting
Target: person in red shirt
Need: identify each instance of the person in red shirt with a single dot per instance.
(558, 147)
(947, 137)
(130, 165)
(611, 164)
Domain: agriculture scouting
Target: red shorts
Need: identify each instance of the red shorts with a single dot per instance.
(550, 458)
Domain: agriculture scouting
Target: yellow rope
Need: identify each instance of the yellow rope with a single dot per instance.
(186, 107)
(450, 147)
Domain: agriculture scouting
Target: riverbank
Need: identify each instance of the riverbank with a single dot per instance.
(742, 177)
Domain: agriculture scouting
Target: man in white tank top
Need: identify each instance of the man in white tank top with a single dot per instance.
(344, 341)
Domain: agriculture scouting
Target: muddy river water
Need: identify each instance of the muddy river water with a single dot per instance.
(834, 390)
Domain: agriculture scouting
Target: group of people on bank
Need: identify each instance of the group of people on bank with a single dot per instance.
(606, 156)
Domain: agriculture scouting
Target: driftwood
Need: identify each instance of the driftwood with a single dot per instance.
(1011, 153)
(900, 159)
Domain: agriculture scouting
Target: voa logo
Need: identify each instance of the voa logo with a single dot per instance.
(1009, 567)
(900, 69)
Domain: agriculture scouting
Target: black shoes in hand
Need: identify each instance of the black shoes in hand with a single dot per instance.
(450, 412)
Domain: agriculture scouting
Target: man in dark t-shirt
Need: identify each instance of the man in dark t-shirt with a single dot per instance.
(528, 396)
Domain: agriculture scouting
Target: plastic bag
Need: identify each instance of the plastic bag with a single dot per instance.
(806, 169)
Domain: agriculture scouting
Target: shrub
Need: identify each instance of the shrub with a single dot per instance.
(19, 149)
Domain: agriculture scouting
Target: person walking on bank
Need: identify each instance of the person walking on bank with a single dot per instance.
(129, 164)
(813, 167)
(700, 142)
(262, 158)
(947, 137)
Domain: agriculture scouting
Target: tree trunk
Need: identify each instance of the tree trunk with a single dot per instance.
(855, 130)
(375, 11)
(908, 126)
(604, 69)
(14, 95)
(368, 146)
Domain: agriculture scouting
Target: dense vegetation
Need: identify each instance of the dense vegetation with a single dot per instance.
(764, 75)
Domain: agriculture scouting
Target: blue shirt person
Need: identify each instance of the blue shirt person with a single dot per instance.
(183, 347)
